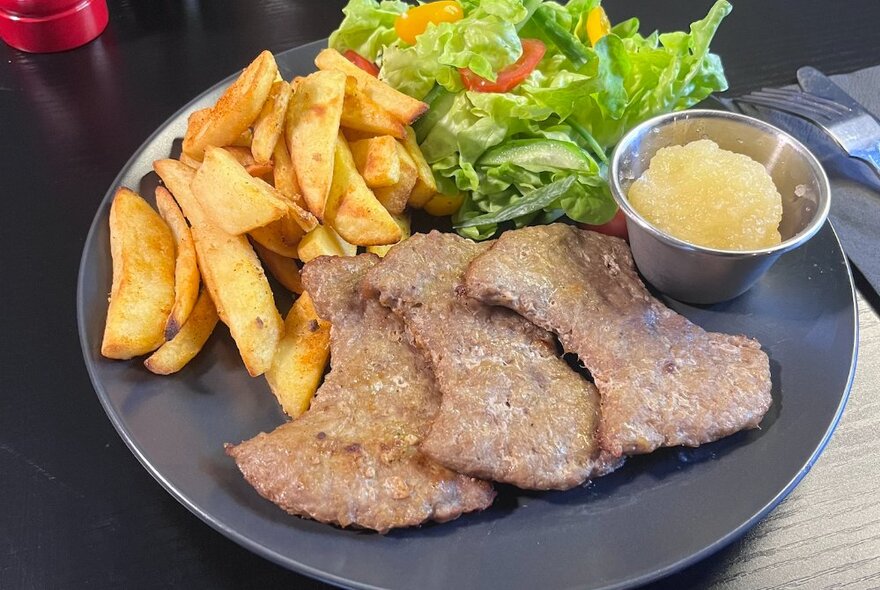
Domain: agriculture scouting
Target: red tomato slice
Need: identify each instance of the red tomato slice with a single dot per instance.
(362, 62)
(616, 227)
(511, 76)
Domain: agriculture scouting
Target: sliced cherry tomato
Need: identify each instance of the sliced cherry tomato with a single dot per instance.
(362, 62)
(511, 76)
(415, 21)
(616, 227)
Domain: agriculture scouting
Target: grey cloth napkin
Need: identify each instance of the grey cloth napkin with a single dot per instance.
(855, 188)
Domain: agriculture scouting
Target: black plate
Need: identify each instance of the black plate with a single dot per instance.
(656, 515)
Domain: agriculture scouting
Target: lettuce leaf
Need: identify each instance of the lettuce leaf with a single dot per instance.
(368, 26)
(587, 96)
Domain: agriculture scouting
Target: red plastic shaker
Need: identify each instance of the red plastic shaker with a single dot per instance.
(43, 26)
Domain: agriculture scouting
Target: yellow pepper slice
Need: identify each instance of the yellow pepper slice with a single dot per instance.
(415, 21)
(598, 25)
(441, 205)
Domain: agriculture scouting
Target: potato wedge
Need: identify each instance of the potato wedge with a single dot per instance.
(262, 171)
(353, 135)
(186, 269)
(285, 175)
(235, 201)
(377, 160)
(270, 123)
(426, 186)
(281, 236)
(361, 113)
(142, 292)
(287, 184)
(312, 126)
(323, 241)
(195, 121)
(186, 343)
(244, 157)
(283, 268)
(178, 177)
(300, 359)
(232, 274)
(190, 161)
(403, 222)
(241, 154)
(244, 140)
(237, 108)
(352, 208)
(306, 220)
(244, 299)
(405, 108)
(395, 197)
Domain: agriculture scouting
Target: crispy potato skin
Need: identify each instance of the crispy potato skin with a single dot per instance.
(377, 160)
(186, 268)
(236, 109)
(404, 108)
(352, 208)
(312, 125)
(323, 241)
(300, 358)
(142, 292)
(403, 221)
(270, 123)
(235, 201)
(425, 187)
(283, 268)
(186, 344)
(269, 168)
(232, 274)
(361, 113)
(241, 292)
(285, 175)
(281, 236)
(395, 197)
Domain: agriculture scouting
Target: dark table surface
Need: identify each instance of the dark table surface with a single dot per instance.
(76, 508)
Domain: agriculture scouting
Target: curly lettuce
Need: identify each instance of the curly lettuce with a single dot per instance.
(586, 96)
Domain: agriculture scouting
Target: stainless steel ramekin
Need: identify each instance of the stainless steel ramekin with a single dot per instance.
(698, 274)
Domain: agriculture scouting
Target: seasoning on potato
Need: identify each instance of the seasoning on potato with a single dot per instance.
(274, 173)
(188, 341)
(300, 358)
(142, 292)
(186, 269)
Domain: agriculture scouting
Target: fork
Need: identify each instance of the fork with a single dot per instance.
(857, 132)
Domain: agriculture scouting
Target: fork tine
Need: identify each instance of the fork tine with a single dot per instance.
(798, 102)
(806, 98)
(858, 134)
(781, 105)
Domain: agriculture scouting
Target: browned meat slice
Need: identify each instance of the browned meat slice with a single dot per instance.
(512, 411)
(663, 380)
(353, 458)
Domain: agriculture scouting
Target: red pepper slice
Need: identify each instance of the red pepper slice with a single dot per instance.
(511, 76)
(362, 62)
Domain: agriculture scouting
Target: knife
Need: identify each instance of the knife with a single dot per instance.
(815, 82)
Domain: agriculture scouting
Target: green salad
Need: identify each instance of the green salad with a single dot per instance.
(527, 97)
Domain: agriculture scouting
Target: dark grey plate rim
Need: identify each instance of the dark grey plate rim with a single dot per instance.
(298, 566)
(814, 456)
(117, 421)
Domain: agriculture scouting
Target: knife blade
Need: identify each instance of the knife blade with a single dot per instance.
(815, 82)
